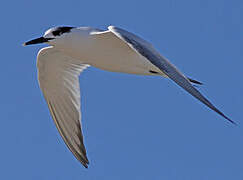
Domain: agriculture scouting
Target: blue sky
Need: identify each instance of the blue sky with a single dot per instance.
(135, 127)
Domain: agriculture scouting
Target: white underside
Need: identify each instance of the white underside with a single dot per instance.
(108, 52)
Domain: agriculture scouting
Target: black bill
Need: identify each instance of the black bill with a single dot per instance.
(37, 41)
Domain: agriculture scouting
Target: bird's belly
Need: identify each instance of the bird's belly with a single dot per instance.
(111, 54)
(122, 62)
(117, 60)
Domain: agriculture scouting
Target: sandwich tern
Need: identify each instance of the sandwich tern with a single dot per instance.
(73, 49)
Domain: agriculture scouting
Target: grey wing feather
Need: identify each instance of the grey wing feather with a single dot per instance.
(146, 49)
(58, 77)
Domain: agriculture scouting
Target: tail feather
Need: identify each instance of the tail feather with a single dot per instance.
(194, 81)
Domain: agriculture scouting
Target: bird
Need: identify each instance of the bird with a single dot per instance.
(73, 49)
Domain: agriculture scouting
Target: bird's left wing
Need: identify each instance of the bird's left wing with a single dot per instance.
(146, 50)
(58, 77)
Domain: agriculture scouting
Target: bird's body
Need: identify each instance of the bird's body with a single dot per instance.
(104, 50)
(74, 49)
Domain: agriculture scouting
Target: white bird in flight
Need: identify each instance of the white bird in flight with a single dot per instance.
(73, 49)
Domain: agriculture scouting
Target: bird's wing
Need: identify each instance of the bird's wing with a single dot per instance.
(146, 50)
(58, 77)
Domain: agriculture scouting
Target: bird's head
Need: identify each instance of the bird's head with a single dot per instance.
(51, 35)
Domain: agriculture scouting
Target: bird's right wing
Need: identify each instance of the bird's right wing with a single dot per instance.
(146, 50)
(58, 77)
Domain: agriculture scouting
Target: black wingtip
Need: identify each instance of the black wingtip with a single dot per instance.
(233, 122)
(86, 166)
(85, 163)
(222, 114)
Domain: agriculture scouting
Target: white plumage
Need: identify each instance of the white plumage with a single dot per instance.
(74, 49)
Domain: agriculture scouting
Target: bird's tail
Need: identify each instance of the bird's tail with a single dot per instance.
(194, 81)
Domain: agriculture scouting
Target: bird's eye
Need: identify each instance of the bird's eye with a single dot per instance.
(61, 30)
(56, 33)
